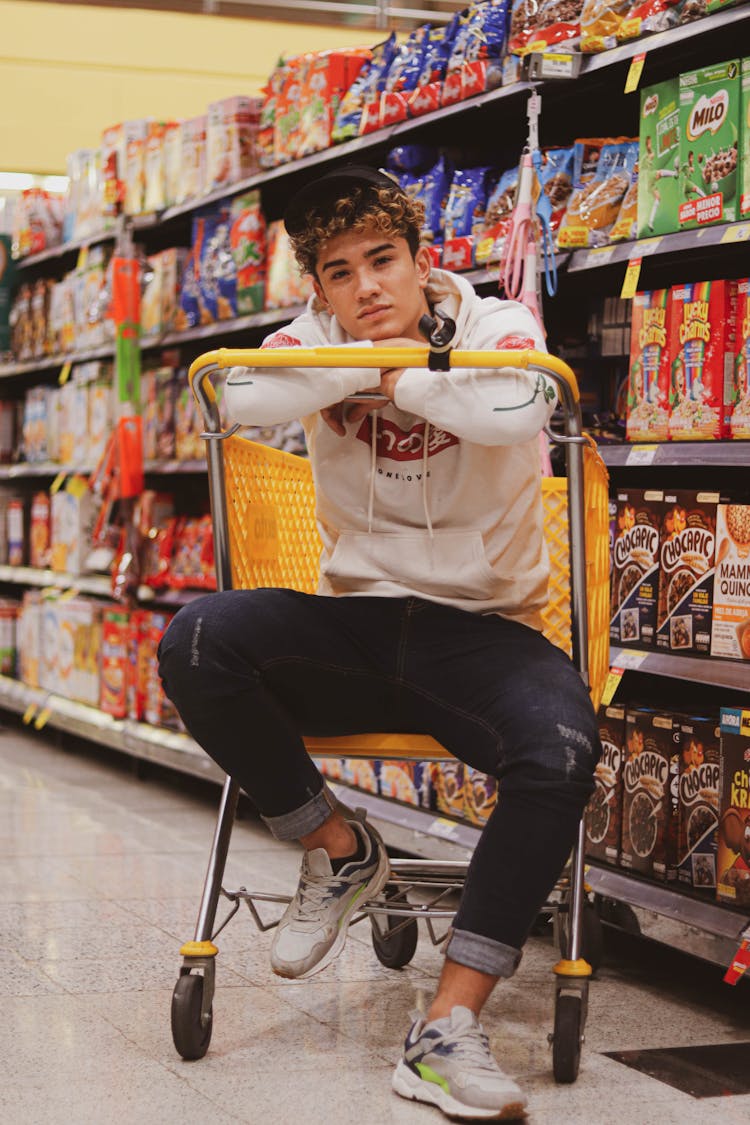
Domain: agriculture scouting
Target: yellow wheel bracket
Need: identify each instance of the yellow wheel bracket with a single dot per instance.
(579, 968)
(198, 949)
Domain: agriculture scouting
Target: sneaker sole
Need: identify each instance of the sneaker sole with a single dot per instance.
(373, 887)
(409, 1085)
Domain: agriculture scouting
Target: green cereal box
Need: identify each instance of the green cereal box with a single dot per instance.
(745, 140)
(709, 191)
(658, 159)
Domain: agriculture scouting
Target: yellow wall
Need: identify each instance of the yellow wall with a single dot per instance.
(68, 71)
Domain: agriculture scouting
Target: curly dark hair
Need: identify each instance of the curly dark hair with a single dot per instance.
(392, 213)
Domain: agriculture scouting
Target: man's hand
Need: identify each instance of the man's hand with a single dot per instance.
(342, 412)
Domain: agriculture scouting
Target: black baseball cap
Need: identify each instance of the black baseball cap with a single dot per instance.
(322, 193)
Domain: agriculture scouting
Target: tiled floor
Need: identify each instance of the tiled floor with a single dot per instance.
(100, 876)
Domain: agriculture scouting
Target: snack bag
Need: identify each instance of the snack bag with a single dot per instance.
(327, 77)
(494, 231)
(248, 241)
(426, 96)
(432, 188)
(231, 136)
(600, 21)
(365, 91)
(218, 273)
(403, 76)
(594, 205)
(287, 116)
(135, 166)
(477, 47)
(172, 157)
(557, 21)
(285, 286)
(644, 17)
(709, 155)
(193, 159)
(648, 379)
(556, 181)
(464, 215)
(271, 91)
(155, 192)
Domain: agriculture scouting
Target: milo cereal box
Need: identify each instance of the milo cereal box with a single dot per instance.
(733, 851)
(658, 159)
(709, 191)
(739, 399)
(650, 739)
(702, 325)
(648, 380)
(745, 139)
(698, 803)
(603, 815)
(730, 631)
(686, 571)
(635, 570)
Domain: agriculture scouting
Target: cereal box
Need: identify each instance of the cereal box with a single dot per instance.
(406, 781)
(730, 631)
(362, 773)
(701, 352)
(635, 572)
(603, 816)
(80, 645)
(8, 621)
(29, 637)
(745, 140)
(650, 740)
(733, 852)
(114, 671)
(231, 140)
(686, 571)
(72, 524)
(658, 159)
(709, 118)
(698, 801)
(16, 526)
(648, 380)
(193, 159)
(480, 795)
(739, 398)
(448, 782)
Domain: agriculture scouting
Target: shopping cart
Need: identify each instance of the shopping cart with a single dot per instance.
(265, 534)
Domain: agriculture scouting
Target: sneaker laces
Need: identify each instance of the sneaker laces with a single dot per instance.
(311, 896)
(472, 1047)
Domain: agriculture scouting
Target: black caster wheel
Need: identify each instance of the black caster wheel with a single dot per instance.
(394, 949)
(567, 1037)
(592, 937)
(191, 1036)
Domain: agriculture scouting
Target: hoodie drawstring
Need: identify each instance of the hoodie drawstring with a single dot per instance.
(425, 486)
(373, 471)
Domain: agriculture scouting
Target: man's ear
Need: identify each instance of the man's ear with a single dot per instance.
(423, 264)
(319, 292)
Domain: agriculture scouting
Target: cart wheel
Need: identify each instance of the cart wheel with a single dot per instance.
(191, 1037)
(395, 950)
(592, 944)
(568, 1037)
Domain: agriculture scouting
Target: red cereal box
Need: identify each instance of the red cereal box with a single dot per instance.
(739, 406)
(702, 335)
(114, 671)
(648, 383)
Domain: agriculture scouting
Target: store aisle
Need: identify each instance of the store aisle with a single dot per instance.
(101, 875)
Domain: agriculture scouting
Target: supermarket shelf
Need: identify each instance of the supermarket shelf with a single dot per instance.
(671, 917)
(154, 744)
(731, 674)
(100, 585)
(48, 363)
(65, 248)
(172, 467)
(731, 454)
(224, 327)
(24, 470)
(682, 241)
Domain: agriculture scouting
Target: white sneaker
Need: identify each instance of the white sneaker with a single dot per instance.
(313, 928)
(448, 1063)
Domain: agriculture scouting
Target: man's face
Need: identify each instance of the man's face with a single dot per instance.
(372, 285)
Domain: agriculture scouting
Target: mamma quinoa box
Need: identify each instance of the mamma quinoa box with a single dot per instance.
(730, 631)
(648, 379)
(733, 852)
(659, 159)
(686, 570)
(709, 145)
(702, 326)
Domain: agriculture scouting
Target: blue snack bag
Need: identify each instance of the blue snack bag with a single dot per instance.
(467, 201)
(364, 90)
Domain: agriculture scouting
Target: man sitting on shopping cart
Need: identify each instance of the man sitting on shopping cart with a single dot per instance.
(427, 619)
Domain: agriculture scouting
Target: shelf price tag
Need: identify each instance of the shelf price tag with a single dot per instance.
(635, 72)
(738, 232)
(65, 373)
(29, 713)
(630, 283)
(42, 718)
(611, 685)
(57, 483)
(642, 455)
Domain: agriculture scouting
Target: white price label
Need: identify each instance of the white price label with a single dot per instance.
(630, 658)
(642, 455)
(446, 829)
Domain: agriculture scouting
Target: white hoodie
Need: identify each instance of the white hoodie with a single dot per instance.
(438, 494)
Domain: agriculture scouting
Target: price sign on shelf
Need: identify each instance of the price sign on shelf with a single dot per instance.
(642, 455)
(635, 72)
(611, 685)
(630, 284)
(738, 232)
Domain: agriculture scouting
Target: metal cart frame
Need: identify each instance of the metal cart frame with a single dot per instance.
(393, 916)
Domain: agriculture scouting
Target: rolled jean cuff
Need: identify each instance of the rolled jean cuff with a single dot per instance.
(304, 820)
(476, 951)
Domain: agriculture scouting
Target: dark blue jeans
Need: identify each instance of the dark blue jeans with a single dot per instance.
(252, 671)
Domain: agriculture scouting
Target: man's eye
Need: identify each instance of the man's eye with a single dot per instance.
(339, 275)
(383, 260)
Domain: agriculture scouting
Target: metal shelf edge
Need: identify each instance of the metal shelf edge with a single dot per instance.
(732, 675)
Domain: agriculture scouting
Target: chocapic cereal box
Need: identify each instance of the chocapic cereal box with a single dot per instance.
(698, 803)
(702, 326)
(739, 404)
(603, 815)
(659, 159)
(635, 571)
(730, 631)
(686, 570)
(709, 145)
(733, 853)
(648, 379)
(650, 740)
(745, 139)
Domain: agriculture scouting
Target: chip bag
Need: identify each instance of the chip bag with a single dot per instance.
(594, 206)
(353, 118)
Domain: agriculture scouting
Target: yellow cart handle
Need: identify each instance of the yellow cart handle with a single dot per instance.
(375, 357)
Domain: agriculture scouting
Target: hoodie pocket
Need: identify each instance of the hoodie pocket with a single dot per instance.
(448, 564)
